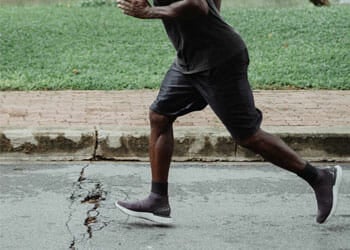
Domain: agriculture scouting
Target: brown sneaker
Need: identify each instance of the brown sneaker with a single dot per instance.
(155, 208)
(326, 191)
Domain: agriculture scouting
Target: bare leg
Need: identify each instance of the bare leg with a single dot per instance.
(274, 150)
(156, 206)
(161, 146)
(325, 182)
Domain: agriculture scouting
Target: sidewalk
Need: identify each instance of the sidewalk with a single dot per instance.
(78, 125)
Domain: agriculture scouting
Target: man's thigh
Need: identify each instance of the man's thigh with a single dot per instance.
(177, 95)
(228, 92)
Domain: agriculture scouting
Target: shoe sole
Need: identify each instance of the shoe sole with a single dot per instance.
(147, 216)
(335, 190)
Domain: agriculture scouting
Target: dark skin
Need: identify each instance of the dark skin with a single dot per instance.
(270, 147)
(181, 9)
(320, 2)
(142, 8)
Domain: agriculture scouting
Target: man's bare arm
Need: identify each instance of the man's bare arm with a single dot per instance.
(180, 9)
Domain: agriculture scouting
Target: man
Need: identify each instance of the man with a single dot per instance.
(211, 68)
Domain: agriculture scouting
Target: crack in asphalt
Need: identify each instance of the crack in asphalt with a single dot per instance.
(81, 192)
(76, 186)
(94, 197)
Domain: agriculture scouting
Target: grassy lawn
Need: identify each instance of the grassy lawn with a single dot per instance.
(60, 47)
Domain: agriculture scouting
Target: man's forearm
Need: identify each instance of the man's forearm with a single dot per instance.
(180, 9)
(183, 9)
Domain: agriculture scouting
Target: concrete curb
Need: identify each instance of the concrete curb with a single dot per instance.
(47, 144)
(208, 144)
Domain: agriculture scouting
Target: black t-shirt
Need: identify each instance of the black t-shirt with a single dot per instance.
(201, 42)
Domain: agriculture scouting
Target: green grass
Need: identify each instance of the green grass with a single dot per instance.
(50, 47)
(36, 2)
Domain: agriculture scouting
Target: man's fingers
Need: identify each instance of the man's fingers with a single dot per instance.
(124, 8)
(124, 5)
(135, 8)
(125, 2)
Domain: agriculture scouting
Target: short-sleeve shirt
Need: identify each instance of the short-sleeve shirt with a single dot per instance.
(201, 42)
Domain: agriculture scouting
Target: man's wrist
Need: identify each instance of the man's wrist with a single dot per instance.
(150, 13)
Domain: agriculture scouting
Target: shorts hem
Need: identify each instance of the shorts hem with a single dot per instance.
(158, 111)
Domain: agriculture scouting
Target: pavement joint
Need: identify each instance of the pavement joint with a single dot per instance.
(94, 153)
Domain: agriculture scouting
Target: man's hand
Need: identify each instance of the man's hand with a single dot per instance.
(184, 9)
(135, 8)
(320, 2)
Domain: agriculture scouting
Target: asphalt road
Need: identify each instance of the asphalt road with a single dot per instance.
(215, 206)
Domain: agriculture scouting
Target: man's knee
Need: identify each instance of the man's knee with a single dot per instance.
(160, 121)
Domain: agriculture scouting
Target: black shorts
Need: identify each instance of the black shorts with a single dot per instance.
(225, 88)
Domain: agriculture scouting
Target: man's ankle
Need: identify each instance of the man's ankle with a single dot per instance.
(160, 188)
(310, 174)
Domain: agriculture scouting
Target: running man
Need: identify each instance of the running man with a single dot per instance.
(211, 68)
